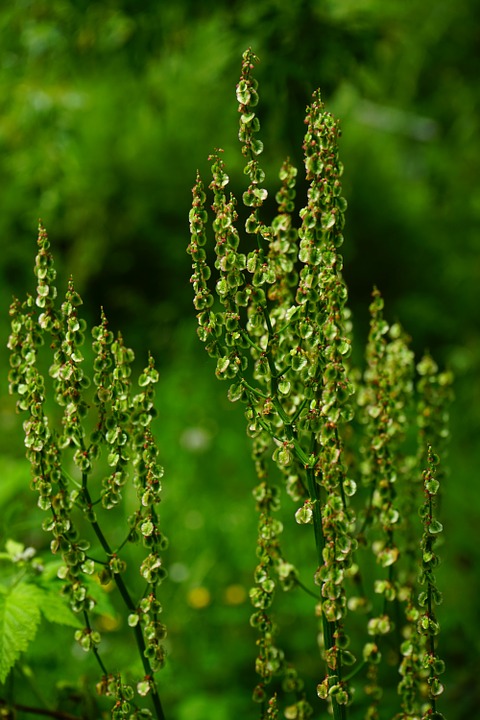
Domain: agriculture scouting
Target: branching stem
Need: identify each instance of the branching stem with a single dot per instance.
(58, 714)
(127, 599)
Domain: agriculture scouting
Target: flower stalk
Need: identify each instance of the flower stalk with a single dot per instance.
(121, 423)
(278, 328)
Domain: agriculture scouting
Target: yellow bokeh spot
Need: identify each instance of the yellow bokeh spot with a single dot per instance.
(107, 623)
(235, 595)
(199, 597)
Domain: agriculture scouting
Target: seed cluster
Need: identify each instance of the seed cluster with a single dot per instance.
(277, 325)
(104, 429)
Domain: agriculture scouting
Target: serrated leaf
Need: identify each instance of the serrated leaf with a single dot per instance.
(56, 609)
(19, 619)
(103, 604)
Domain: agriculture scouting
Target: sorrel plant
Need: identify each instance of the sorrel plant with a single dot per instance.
(104, 433)
(356, 450)
(278, 327)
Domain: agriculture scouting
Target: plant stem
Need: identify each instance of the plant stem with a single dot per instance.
(123, 590)
(59, 714)
(339, 711)
(94, 649)
(306, 589)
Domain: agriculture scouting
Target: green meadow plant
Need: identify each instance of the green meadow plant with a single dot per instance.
(272, 313)
(353, 454)
(87, 439)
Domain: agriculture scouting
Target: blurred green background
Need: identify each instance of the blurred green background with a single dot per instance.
(106, 111)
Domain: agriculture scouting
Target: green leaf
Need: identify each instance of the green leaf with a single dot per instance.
(19, 619)
(56, 609)
(103, 602)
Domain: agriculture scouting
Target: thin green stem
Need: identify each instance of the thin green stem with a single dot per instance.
(122, 588)
(299, 411)
(94, 648)
(252, 390)
(289, 432)
(430, 610)
(97, 562)
(123, 543)
(249, 340)
(306, 589)
(339, 711)
(356, 670)
(342, 490)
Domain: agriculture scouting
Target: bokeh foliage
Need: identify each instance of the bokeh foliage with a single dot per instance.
(106, 111)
